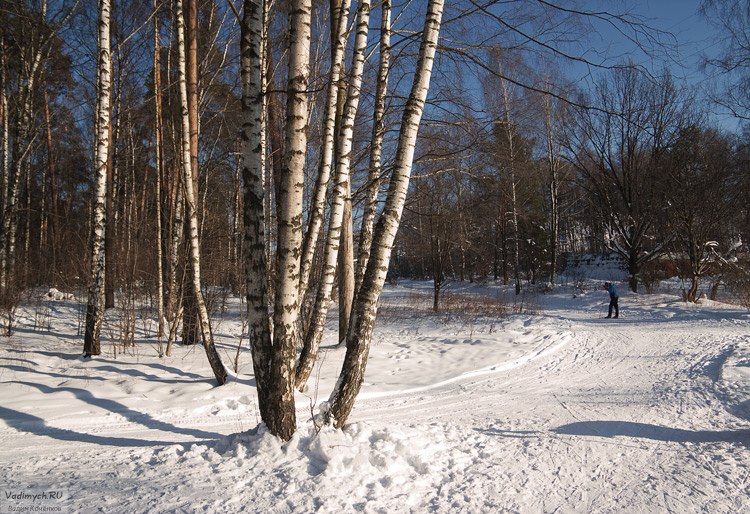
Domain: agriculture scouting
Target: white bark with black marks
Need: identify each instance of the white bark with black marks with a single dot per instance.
(5, 179)
(376, 147)
(343, 165)
(362, 323)
(158, 143)
(254, 256)
(318, 206)
(290, 200)
(192, 210)
(95, 303)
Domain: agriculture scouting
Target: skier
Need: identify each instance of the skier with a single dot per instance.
(613, 297)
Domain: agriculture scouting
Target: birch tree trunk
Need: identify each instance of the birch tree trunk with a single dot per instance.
(29, 57)
(110, 241)
(287, 300)
(192, 208)
(95, 304)
(340, 195)
(27, 232)
(346, 281)
(273, 104)
(159, 172)
(345, 268)
(191, 330)
(174, 302)
(376, 148)
(318, 206)
(176, 234)
(516, 260)
(254, 254)
(21, 148)
(514, 213)
(5, 165)
(49, 215)
(9, 224)
(176, 221)
(553, 167)
(362, 323)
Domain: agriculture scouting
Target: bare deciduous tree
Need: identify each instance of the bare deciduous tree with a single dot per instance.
(700, 191)
(732, 18)
(617, 148)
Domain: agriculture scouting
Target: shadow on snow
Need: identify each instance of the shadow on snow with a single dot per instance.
(654, 432)
(27, 423)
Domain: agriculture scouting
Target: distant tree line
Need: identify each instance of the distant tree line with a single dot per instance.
(638, 172)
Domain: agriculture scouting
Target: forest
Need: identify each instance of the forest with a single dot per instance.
(158, 155)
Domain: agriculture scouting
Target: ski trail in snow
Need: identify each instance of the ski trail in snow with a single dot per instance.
(623, 405)
(547, 345)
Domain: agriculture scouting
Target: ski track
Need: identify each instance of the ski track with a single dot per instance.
(628, 416)
(647, 428)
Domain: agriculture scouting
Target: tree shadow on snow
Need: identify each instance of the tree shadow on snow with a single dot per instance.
(515, 434)
(34, 425)
(136, 373)
(654, 432)
(131, 415)
(60, 355)
(19, 330)
(120, 367)
(27, 369)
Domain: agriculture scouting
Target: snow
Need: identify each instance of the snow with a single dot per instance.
(550, 409)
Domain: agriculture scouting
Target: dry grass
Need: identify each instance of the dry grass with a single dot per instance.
(473, 304)
(454, 304)
(400, 308)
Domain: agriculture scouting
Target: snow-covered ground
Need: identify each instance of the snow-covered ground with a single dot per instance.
(553, 409)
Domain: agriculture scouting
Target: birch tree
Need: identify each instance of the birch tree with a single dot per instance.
(32, 52)
(376, 147)
(509, 133)
(265, 359)
(553, 113)
(5, 164)
(175, 229)
(95, 304)
(191, 317)
(553, 167)
(346, 282)
(158, 149)
(192, 207)
(287, 301)
(274, 350)
(362, 323)
(317, 209)
(338, 203)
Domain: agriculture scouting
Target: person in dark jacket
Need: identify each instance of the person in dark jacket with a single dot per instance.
(613, 297)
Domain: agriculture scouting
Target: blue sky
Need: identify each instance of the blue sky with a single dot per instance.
(694, 35)
(683, 34)
(684, 53)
